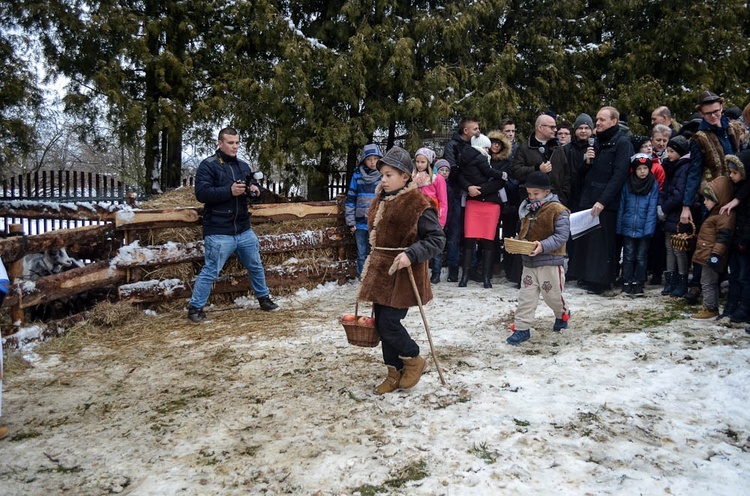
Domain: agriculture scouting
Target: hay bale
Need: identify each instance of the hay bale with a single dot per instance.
(108, 315)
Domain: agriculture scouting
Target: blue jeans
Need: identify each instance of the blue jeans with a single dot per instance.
(454, 228)
(362, 237)
(219, 248)
(634, 259)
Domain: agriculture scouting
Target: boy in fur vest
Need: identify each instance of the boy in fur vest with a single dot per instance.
(404, 232)
(546, 222)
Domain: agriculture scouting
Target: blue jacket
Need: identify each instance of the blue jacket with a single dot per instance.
(672, 192)
(360, 195)
(223, 213)
(636, 217)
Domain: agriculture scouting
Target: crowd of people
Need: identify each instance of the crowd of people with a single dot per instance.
(674, 204)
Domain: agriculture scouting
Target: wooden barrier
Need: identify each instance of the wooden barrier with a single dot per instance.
(118, 265)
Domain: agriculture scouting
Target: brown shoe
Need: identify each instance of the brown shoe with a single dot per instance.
(4, 431)
(706, 314)
(390, 383)
(413, 368)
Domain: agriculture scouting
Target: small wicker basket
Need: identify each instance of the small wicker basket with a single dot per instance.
(358, 334)
(518, 246)
(683, 240)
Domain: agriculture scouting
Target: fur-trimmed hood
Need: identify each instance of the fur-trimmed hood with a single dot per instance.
(506, 147)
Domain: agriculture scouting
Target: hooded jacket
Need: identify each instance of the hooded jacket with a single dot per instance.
(503, 161)
(716, 231)
(360, 194)
(475, 170)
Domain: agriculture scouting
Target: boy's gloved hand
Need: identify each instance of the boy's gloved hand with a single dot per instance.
(713, 261)
(660, 213)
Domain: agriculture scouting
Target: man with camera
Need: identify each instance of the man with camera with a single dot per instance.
(223, 183)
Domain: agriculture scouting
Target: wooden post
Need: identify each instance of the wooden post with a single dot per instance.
(15, 271)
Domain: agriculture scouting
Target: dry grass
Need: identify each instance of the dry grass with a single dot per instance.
(13, 363)
(113, 329)
(182, 197)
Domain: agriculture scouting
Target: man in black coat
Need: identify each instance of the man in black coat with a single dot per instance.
(596, 256)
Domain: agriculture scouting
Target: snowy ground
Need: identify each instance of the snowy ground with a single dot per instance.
(633, 399)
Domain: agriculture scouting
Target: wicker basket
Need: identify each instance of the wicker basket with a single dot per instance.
(360, 334)
(518, 246)
(683, 240)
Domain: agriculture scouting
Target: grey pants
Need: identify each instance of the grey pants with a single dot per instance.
(710, 287)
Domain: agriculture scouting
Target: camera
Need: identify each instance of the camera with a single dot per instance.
(249, 179)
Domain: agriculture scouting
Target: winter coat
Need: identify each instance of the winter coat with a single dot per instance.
(360, 195)
(575, 152)
(452, 154)
(741, 236)
(707, 161)
(438, 191)
(223, 213)
(551, 226)
(476, 171)
(528, 158)
(716, 231)
(607, 173)
(670, 197)
(503, 162)
(636, 217)
(403, 221)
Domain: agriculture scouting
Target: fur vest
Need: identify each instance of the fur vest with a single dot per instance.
(713, 153)
(541, 225)
(393, 228)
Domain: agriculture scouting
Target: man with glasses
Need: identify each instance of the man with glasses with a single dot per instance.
(542, 152)
(714, 140)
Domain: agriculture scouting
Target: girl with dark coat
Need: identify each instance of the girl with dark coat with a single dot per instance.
(510, 195)
(670, 208)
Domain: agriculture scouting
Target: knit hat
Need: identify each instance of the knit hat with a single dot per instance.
(733, 113)
(537, 179)
(638, 141)
(426, 153)
(735, 164)
(370, 150)
(583, 119)
(481, 141)
(640, 159)
(679, 144)
(398, 158)
(441, 162)
(707, 97)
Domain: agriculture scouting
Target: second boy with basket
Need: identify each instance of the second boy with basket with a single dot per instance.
(404, 232)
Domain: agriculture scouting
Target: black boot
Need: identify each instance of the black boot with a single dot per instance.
(469, 246)
(670, 279)
(452, 274)
(487, 264)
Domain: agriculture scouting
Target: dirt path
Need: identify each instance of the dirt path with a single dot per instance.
(633, 398)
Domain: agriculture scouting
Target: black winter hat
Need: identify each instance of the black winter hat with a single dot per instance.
(583, 119)
(680, 144)
(398, 158)
(537, 179)
(733, 113)
(638, 141)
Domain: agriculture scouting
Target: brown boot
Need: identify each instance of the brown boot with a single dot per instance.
(391, 383)
(413, 368)
(3, 431)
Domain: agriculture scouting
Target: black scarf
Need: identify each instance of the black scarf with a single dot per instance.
(638, 186)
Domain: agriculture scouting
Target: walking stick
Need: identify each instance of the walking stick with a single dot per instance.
(426, 325)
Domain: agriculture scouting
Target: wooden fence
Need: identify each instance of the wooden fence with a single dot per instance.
(60, 187)
(118, 263)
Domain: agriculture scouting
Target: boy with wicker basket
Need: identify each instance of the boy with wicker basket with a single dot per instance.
(546, 222)
(404, 233)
